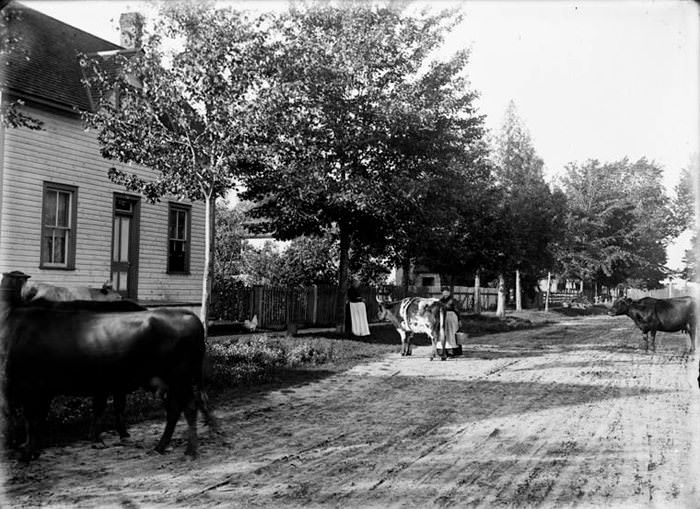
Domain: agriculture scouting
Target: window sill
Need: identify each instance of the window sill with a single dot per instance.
(54, 267)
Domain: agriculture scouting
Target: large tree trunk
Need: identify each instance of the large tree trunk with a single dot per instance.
(209, 217)
(406, 274)
(342, 278)
(518, 293)
(501, 307)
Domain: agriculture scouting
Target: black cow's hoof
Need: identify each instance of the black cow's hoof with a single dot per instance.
(26, 455)
(158, 450)
(443, 358)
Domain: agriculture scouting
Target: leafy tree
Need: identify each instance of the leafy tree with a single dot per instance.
(185, 110)
(459, 223)
(310, 260)
(364, 122)
(262, 266)
(305, 261)
(684, 209)
(532, 213)
(618, 224)
(230, 243)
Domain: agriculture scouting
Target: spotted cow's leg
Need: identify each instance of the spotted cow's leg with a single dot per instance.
(433, 340)
(402, 334)
(409, 337)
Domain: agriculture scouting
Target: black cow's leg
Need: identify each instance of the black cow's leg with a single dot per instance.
(190, 409)
(34, 415)
(210, 419)
(645, 341)
(653, 341)
(99, 403)
(173, 411)
(119, 407)
(691, 333)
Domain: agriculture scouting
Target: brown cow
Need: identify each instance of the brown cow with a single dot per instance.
(665, 315)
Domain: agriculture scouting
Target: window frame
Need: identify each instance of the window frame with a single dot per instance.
(187, 209)
(73, 226)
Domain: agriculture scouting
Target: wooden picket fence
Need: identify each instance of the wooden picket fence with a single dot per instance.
(275, 307)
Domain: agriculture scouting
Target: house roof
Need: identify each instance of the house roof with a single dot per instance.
(43, 64)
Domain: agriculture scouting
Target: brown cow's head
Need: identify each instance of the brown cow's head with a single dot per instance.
(620, 307)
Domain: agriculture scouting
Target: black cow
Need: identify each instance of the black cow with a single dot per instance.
(415, 314)
(95, 349)
(665, 315)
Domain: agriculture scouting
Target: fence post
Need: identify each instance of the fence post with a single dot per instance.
(546, 298)
(314, 305)
(259, 296)
(477, 293)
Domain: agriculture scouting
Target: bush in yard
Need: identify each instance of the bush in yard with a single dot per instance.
(254, 360)
(310, 352)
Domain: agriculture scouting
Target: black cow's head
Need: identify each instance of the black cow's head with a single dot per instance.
(11, 286)
(620, 307)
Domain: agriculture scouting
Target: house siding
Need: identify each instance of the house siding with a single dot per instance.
(63, 152)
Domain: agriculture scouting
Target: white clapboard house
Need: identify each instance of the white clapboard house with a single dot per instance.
(62, 221)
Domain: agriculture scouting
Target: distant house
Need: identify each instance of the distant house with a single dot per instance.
(62, 221)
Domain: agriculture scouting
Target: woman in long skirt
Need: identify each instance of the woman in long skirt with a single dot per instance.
(451, 321)
(356, 312)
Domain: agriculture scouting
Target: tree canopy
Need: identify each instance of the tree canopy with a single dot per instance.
(618, 224)
(184, 109)
(361, 122)
(531, 213)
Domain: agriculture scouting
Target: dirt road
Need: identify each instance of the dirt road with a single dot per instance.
(571, 414)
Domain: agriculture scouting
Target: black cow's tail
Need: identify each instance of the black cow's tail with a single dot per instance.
(201, 398)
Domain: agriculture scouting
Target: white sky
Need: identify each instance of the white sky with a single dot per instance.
(591, 79)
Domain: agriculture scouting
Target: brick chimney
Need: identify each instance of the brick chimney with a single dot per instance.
(131, 28)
